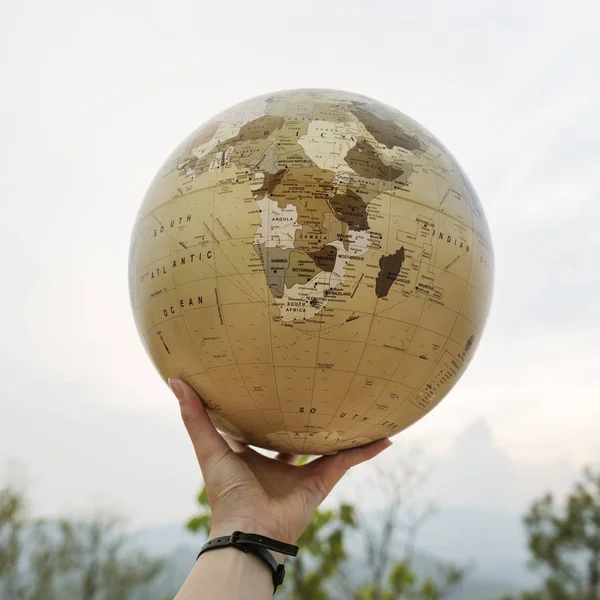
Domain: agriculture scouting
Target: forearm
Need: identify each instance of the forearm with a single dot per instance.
(229, 574)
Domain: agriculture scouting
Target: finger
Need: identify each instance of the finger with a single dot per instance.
(330, 469)
(289, 459)
(207, 441)
(237, 446)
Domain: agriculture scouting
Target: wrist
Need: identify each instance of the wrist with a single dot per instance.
(229, 573)
(227, 527)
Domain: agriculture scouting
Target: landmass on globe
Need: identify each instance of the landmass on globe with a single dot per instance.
(317, 265)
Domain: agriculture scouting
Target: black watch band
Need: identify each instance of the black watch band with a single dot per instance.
(258, 545)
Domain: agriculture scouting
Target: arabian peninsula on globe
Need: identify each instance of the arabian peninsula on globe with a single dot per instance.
(317, 265)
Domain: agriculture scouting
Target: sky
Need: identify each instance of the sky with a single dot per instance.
(94, 97)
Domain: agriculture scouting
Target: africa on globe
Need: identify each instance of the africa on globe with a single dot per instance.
(316, 265)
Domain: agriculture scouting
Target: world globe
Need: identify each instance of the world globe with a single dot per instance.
(316, 265)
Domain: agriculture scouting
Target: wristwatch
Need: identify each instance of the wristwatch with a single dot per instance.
(258, 545)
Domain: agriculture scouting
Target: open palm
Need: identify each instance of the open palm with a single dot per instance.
(251, 492)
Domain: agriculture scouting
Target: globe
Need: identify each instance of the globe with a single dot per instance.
(316, 265)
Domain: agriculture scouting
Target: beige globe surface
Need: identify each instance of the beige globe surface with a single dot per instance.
(317, 265)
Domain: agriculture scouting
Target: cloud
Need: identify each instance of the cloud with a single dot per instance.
(94, 103)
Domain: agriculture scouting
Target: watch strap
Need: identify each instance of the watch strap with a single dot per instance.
(258, 545)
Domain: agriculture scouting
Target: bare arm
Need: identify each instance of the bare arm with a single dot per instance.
(227, 573)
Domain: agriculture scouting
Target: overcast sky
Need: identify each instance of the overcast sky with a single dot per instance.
(94, 96)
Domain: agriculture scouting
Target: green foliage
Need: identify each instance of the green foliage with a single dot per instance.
(60, 560)
(202, 521)
(564, 540)
(303, 459)
(390, 543)
(323, 552)
(12, 512)
(403, 584)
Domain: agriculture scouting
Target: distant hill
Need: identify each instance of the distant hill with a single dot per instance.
(493, 541)
(494, 573)
(488, 543)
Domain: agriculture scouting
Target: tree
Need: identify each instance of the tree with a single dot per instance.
(101, 568)
(564, 541)
(12, 512)
(322, 544)
(403, 584)
(391, 539)
(322, 567)
(65, 559)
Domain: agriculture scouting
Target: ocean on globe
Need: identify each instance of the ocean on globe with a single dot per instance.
(316, 265)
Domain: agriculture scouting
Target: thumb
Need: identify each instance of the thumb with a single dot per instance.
(207, 441)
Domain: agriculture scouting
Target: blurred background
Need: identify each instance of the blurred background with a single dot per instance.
(94, 96)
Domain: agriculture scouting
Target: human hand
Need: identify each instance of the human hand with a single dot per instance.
(250, 492)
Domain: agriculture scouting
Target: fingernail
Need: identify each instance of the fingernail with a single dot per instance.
(388, 443)
(175, 385)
